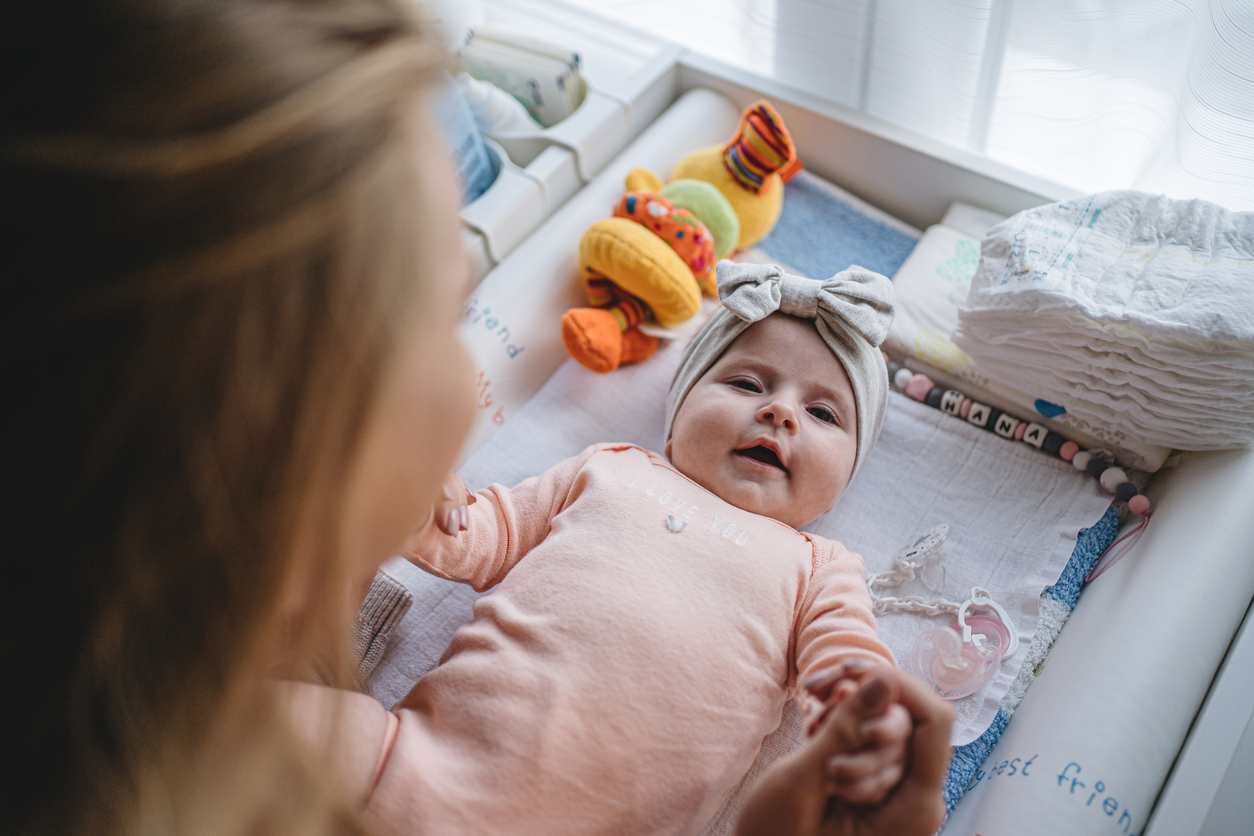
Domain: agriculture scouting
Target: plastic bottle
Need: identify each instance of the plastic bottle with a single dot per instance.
(495, 111)
(477, 167)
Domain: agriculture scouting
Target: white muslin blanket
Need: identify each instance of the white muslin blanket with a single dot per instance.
(1131, 310)
(1014, 511)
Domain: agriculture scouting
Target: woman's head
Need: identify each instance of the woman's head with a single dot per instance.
(228, 272)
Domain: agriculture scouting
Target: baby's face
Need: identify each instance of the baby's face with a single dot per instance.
(772, 426)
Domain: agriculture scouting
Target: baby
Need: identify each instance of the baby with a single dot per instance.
(654, 613)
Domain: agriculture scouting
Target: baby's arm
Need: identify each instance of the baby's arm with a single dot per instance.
(836, 632)
(479, 542)
(835, 622)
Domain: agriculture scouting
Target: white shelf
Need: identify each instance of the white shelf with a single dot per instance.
(509, 210)
(631, 80)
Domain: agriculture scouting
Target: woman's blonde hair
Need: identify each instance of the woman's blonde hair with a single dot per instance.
(209, 214)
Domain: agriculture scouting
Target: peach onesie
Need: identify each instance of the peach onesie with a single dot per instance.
(642, 641)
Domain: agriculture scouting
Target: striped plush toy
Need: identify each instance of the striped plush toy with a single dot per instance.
(653, 259)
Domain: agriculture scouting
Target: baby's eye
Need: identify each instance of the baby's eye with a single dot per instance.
(823, 414)
(747, 385)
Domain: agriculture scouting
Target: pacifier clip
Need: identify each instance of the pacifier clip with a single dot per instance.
(962, 658)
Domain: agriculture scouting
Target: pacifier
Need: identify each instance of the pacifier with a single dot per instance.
(961, 659)
(986, 629)
(954, 668)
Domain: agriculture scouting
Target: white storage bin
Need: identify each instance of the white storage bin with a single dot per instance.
(630, 80)
(516, 203)
(592, 134)
(557, 174)
(509, 210)
(477, 248)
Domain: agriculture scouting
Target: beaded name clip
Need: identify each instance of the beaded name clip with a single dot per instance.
(1097, 463)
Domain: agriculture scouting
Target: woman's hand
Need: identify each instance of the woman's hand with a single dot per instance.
(874, 747)
(794, 797)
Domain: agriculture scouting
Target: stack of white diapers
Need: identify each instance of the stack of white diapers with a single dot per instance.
(931, 285)
(1128, 309)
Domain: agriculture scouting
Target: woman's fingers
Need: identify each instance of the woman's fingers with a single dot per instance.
(842, 729)
(883, 746)
(892, 728)
(933, 721)
(869, 788)
(846, 768)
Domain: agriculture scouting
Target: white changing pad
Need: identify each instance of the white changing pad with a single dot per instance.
(1014, 512)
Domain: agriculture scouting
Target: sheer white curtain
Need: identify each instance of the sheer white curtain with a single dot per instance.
(1096, 94)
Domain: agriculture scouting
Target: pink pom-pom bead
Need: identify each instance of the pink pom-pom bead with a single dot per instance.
(1068, 450)
(1139, 504)
(965, 409)
(918, 387)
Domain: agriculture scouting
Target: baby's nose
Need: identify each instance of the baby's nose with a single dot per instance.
(779, 415)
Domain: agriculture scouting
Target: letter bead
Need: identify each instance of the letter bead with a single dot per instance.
(1035, 434)
(1006, 425)
(979, 414)
(951, 401)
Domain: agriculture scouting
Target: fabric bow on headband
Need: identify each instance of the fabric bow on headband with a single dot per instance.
(851, 311)
(861, 298)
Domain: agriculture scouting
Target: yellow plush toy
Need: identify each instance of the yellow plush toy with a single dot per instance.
(657, 254)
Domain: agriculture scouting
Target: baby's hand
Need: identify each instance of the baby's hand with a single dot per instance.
(449, 514)
(871, 730)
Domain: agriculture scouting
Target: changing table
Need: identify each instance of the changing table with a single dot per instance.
(1142, 720)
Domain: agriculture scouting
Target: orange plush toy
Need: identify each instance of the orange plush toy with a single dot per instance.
(656, 256)
(650, 253)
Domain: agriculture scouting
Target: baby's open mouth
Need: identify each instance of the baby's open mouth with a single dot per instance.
(762, 454)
